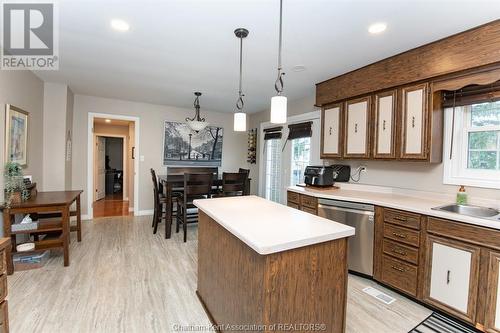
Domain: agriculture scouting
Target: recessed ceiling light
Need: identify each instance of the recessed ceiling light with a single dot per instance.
(108, 120)
(120, 25)
(298, 68)
(377, 28)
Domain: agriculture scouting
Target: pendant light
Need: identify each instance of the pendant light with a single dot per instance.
(278, 102)
(240, 117)
(197, 123)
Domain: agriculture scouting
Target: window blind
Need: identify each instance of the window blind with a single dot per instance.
(272, 133)
(472, 95)
(297, 131)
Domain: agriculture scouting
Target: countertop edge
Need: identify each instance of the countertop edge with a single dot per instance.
(429, 212)
(267, 250)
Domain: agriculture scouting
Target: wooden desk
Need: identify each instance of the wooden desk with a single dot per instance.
(53, 204)
(169, 182)
(4, 313)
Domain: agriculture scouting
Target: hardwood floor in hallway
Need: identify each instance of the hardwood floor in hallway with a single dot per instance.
(122, 278)
(111, 205)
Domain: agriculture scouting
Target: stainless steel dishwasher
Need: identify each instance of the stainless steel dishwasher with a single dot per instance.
(360, 217)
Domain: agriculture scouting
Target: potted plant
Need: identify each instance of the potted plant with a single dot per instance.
(15, 189)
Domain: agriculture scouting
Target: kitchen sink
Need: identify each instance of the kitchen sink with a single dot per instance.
(475, 211)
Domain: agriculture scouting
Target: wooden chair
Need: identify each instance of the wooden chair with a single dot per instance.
(247, 171)
(196, 186)
(159, 201)
(233, 184)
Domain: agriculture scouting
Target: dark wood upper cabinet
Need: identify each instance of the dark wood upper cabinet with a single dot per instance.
(357, 128)
(415, 119)
(332, 131)
(385, 124)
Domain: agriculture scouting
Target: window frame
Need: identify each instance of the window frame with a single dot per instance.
(455, 168)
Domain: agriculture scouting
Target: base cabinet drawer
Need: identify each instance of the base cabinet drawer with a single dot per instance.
(293, 197)
(400, 275)
(405, 219)
(400, 251)
(403, 235)
(309, 210)
(307, 201)
(293, 205)
(452, 276)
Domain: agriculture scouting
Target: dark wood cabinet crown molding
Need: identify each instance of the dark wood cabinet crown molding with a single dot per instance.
(469, 49)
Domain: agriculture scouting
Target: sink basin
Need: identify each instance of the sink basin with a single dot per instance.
(475, 211)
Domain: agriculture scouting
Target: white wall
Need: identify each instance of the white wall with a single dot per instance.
(407, 175)
(24, 90)
(152, 118)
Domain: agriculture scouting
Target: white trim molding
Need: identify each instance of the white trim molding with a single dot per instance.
(90, 158)
(455, 171)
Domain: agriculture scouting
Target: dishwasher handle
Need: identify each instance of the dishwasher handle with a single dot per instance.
(348, 210)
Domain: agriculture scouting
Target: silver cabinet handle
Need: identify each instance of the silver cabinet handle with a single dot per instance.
(413, 122)
(448, 278)
(356, 128)
(331, 130)
(383, 125)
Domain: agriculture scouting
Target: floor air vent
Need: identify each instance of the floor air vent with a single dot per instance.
(384, 298)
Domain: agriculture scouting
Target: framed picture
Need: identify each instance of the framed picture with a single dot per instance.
(182, 146)
(16, 135)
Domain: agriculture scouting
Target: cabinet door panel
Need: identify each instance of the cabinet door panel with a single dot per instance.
(492, 318)
(357, 140)
(331, 131)
(452, 277)
(415, 121)
(384, 131)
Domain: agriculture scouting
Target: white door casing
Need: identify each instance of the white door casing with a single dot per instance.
(100, 191)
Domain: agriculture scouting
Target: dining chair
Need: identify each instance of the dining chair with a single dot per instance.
(233, 184)
(159, 201)
(196, 186)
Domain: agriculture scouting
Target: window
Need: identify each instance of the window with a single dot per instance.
(301, 157)
(273, 170)
(475, 159)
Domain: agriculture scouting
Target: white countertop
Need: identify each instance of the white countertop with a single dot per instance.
(268, 227)
(418, 204)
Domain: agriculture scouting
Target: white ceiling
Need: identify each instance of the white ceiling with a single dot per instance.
(175, 47)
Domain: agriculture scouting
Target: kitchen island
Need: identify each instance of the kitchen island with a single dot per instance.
(265, 267)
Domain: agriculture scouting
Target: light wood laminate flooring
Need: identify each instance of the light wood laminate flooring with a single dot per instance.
(122, 278)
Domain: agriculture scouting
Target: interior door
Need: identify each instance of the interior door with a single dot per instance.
(453, 276)
(357, 136)
(100, 161)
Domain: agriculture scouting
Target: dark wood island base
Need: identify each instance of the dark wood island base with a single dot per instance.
(305, 287)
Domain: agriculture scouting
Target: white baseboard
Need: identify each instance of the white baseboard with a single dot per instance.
(144, 212)
(86, 217)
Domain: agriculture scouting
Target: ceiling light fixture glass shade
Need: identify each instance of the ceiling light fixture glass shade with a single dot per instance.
(197, 123)
(278, 109)
(240, 122)
(240, 117)
(279, 102)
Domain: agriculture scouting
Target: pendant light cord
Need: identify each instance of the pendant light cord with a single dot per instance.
(239, 102)
(278, 85)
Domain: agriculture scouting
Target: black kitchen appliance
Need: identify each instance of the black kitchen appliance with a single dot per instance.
(341, 173)
(323, 176)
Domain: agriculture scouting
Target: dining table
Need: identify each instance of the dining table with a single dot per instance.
(176, 181)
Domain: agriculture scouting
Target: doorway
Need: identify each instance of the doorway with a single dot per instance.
(113, 167)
